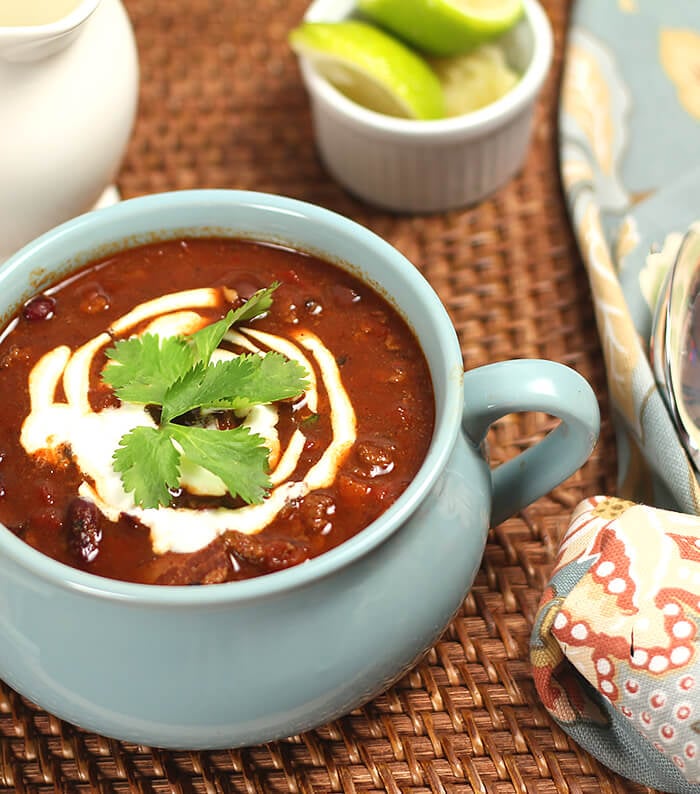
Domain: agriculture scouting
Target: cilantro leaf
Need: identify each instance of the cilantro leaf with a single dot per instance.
(176, 374)
(258, 303)
(237, 384)
(255, 380)
(205, 341)
(149, 465)
(238, 457)
(142, 368)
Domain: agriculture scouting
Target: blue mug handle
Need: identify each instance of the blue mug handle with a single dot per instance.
(496, 390)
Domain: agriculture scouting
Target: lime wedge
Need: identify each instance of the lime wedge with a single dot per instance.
(371, 68)
(475, 79)
(444, 27)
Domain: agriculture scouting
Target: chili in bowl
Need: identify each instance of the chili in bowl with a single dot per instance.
(237, 439)
(118, 433)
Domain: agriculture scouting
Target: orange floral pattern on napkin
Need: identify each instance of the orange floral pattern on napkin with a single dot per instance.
(621, 613)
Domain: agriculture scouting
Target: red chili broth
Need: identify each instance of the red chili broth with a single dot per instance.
(381, 365)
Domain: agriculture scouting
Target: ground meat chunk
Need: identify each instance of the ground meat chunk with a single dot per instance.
(316, 511)
(210, 565)
(268, 555)
(375, 459)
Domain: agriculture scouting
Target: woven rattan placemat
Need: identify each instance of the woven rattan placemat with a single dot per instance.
(222, 105)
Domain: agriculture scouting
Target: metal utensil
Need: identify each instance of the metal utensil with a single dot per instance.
(675, 343)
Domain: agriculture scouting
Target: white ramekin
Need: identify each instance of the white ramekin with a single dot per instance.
(430, 166)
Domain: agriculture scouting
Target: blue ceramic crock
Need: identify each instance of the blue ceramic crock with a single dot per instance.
(245, 662)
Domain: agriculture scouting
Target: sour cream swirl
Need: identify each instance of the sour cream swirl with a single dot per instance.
(66, 423)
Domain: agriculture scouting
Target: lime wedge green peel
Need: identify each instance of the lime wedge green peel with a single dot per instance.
(444, 27)
(371, 68)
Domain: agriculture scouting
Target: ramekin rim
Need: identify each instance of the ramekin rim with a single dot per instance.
(465, 127)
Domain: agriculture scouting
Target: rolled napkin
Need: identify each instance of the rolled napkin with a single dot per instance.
(614, 649)
(629, 152)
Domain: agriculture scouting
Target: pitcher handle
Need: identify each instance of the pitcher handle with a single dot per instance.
(496, 390)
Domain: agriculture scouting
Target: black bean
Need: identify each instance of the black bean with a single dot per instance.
(40, 308)
(82, 525)
(246, 286)
(313, 306)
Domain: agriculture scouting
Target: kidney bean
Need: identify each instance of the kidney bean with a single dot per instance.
(42, 307)
(82, 525)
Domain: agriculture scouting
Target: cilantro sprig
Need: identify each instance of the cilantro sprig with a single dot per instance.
(176, 375)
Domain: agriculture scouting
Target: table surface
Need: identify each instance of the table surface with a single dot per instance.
(222, 105)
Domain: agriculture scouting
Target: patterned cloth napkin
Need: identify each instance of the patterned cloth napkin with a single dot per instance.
(614, 648)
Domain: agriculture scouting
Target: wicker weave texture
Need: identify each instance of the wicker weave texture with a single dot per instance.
(222, 105)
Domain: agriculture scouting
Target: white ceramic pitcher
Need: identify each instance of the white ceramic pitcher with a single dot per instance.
(68, 95)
